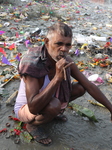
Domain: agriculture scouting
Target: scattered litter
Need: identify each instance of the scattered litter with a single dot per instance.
(96, 103)
(24, 26)
(93, 77)
(84, 112)
(108, 76)
(11, 98)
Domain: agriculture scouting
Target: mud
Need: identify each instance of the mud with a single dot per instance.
(77, 133)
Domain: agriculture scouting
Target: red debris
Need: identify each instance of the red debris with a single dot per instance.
(17, 131)
(107, 44)
(3, 130)
(24, 126)
(12, 118)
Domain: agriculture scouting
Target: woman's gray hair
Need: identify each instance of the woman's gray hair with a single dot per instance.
(61, 28)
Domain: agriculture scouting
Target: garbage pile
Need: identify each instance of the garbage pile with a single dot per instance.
(24, 26)
(17, 32)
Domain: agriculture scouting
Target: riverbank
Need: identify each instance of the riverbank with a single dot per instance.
(92, 25)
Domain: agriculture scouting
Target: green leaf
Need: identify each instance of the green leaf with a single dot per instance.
(26, 137)
(84, 111)
(19, 127)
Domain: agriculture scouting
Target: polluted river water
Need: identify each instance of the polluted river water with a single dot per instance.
(77, 133)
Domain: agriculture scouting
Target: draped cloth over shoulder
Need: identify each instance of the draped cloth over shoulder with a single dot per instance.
(36, 64)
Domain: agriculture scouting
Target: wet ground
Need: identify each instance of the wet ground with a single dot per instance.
(76, 133)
